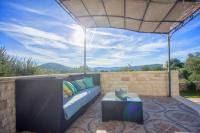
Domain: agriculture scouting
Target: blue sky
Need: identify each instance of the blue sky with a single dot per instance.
(42, 30)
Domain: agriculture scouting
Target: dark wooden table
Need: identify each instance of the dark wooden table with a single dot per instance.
(123, 110)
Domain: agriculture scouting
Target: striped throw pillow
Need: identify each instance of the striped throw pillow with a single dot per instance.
(79, 85)
(71, 87)
(67, 90)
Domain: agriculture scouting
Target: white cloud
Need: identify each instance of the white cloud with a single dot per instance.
(42, 45)
(95, 32)
(103, 48)
(185, 52)
(28, 9)
(152, 47)
(64, 43)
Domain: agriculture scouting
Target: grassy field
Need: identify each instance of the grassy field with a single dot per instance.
(190, 94)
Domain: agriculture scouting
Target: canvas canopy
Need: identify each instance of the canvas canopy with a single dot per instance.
(154, 16)
(150, 16)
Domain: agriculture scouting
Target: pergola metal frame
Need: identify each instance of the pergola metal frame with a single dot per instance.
(169, 34)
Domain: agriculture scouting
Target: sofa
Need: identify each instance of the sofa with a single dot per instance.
(41, 106)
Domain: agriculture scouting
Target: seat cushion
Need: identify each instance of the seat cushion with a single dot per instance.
(74, 103)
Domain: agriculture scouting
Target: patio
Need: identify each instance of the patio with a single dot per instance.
(161, 114)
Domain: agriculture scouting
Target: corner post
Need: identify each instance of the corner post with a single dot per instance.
(85, 41)
(169, 65)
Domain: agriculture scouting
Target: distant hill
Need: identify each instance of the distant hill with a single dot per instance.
(136, 68)
(55, 67)
(61, 68)
(98, 69)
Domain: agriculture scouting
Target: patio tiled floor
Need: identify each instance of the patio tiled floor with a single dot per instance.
(161, 115)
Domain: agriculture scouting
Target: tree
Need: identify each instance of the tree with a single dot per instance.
(184, 73)
(126, 68)
(6, 63)
(193, 63)
(193, 66)
(80, 69)
(12, 66)
(145, 68)
(175, 64)
(158, 68)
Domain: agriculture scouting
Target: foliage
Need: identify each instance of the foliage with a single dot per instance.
(193, 63)
(103, 71)
(190, 94)
(79, 69)
(40, 71)
(6, 63)
(184, 73)
(127, 68)
(190, 85)
(175, 64)
(158, 68)
(147, 68)
(12, 66)
(194, 77)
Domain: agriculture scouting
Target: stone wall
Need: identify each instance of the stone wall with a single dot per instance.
(182, 86)
(143, 83)
(153, 83)
(7, 106)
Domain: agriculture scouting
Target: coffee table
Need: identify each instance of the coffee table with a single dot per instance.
(114, 108)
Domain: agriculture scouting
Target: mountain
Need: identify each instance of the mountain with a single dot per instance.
(55, 67)
(112, 69)
(61, 68)
(136, 68)
(151, 66)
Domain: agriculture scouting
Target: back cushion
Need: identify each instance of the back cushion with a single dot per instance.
(88, 81)
(79, 84)
(66, 89)
(71, 87)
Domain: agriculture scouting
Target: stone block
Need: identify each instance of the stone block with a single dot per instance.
(3, 105)
(125, 78)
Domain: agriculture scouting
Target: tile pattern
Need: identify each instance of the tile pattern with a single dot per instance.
(161, 115)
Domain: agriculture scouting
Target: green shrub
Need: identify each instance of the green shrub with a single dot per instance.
(12, 66)
(193, 63)
(190, 86)
(184, 73)
(194, 77)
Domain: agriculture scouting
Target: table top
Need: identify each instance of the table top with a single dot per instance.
(110, 96)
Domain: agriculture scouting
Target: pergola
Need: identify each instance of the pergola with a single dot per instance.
(147, 16)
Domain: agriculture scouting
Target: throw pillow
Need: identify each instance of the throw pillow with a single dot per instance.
(88, 81)
(78, 88)
(71, 87)
(80, 84)
(67, 90)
